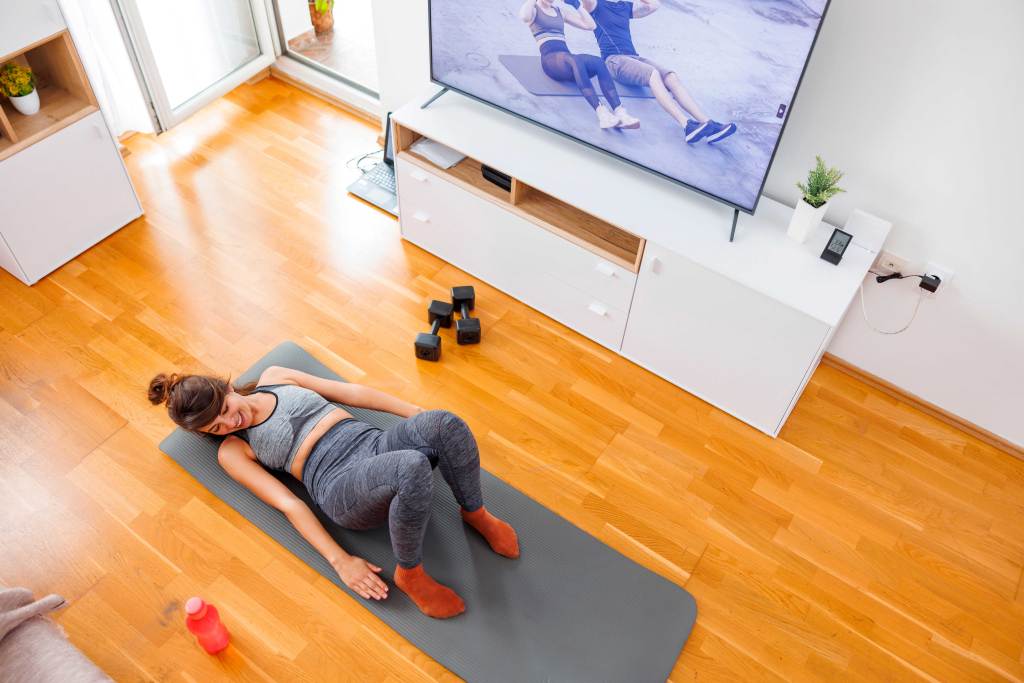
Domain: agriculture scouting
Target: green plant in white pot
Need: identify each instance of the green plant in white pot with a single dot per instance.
(821, 186)
(19, 84)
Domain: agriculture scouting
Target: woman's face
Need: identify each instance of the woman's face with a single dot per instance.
(235, 414)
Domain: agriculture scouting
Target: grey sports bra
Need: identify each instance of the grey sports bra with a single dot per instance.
(276, 440)
(546, 27)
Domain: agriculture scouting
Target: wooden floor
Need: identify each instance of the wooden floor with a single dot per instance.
(868, 542)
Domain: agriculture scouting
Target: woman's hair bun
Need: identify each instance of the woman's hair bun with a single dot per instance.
(160, 387)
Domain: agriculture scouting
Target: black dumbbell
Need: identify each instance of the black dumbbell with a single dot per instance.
(428, 344)
(467, 330)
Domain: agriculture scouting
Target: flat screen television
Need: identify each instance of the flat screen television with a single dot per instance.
(697, 91)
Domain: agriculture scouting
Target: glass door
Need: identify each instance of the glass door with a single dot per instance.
(333, 38)
(191, 52)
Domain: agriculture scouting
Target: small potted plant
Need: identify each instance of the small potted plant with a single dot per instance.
(820, 188)
(19, 84)
(321, 13)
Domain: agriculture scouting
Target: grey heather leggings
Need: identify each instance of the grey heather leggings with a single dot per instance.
(362, 476)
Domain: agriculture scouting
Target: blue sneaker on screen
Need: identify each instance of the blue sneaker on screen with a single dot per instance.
(723, 130)
(695, 131)
(712, 131)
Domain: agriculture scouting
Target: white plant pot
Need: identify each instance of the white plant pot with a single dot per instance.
(805, 221)
(27, 104)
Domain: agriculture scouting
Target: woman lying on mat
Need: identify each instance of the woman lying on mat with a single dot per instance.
(362, 477)
(547, 20)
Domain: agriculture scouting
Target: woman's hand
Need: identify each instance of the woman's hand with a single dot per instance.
(360, 576)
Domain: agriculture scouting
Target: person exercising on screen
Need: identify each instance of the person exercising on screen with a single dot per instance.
(546, 20)
(626, 66)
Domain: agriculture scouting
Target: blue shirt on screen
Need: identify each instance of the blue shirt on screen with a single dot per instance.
(612, 18)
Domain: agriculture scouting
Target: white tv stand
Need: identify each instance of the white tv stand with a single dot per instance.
(634, 262)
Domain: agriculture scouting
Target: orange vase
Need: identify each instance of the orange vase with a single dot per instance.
(323, 22)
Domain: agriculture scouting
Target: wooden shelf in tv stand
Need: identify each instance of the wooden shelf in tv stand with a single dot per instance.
(565, 220)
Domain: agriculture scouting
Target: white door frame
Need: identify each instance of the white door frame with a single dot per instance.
(322, 81)
(164, 116)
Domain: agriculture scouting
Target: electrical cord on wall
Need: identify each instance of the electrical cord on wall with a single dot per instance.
(882, 279)
(864, 310)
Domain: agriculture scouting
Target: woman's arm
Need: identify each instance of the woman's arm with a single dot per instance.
(234, 456)
(526, 12)
(357, 395)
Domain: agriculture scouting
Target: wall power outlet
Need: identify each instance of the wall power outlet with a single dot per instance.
(888, 262)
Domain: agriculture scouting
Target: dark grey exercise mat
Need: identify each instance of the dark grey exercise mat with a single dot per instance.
(526, 69)
(568, 609)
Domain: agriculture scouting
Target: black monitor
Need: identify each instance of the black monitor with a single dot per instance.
(389, 151)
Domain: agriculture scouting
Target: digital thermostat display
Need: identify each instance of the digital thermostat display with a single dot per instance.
(840, 240)
(836, 246)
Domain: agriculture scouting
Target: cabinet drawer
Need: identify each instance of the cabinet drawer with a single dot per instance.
(23, 22)
(87, 195)
(576, 266)
(576, 309)
(539, 250)
(463, 229)
(499, 247)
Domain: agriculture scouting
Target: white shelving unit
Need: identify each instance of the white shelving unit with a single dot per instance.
(60, 169)
(631, 260)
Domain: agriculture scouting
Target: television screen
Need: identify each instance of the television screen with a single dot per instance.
(697, 91)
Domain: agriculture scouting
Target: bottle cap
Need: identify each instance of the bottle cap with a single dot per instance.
(194, 606)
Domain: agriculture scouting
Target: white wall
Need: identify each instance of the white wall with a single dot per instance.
(403, 52)
(922, 104)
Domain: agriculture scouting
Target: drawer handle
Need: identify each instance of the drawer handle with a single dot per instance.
(418, 177)
(421, 217)
(605, 268)
(598, 309)
(655, 265)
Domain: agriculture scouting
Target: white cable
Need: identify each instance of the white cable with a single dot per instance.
(357, 161)
(864, 310)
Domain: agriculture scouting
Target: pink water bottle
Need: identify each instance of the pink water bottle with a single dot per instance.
(204, 622)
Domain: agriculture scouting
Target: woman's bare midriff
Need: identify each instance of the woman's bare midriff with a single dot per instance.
(326, 422)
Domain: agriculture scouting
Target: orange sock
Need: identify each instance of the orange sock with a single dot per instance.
(434, 599)
(499, 534)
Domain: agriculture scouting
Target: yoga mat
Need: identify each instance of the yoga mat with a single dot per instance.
(568, 609)
(526, 69)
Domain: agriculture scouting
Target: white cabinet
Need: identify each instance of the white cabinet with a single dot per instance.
(731, 346)
(23, 22)
(61, 164)
(8, 262)
(630, 260)
(74, 192)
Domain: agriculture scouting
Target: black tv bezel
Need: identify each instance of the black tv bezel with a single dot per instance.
(767, 170)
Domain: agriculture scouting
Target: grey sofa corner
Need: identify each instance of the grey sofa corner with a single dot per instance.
(33, 648)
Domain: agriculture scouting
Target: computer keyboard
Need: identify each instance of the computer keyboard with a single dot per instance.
(382, 175)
